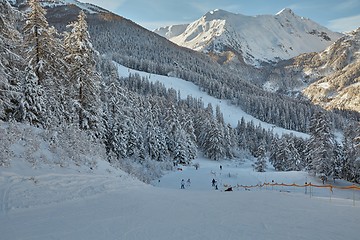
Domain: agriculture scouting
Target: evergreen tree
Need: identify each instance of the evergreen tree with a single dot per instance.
(36, 36)
(260, 164)
(219, 115)
(181, 151)
(279, 154)
(213, 145)
(230, 141)
(44, 53)
(294, 162)
(350, 154)
(84, 80)
(31, 106)
(320, 145)
(240, 132)
(11, 63)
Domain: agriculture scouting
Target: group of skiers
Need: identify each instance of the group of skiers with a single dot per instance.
(188, 183)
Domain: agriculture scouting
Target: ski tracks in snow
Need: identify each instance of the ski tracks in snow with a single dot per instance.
(19, 192)
(7, 183)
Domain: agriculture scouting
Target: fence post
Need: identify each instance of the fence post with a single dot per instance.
(331, 191)
(354, 195)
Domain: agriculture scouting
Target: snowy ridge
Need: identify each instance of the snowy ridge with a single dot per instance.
(263, 38)
(90, 8)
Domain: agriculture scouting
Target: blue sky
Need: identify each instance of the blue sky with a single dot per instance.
(337, 15)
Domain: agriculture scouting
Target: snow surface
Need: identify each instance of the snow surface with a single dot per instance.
(231, 113)
(105, 203)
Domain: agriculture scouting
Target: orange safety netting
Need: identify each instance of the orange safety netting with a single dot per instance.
(354, 187)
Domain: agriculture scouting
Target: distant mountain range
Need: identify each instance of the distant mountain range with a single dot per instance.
(252, 39)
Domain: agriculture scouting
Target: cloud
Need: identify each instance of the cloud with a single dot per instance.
(346, 24)
(348, 5)
(110, 5)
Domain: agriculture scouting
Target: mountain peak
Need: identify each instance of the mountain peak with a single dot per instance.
(286, 11)
(216, 14)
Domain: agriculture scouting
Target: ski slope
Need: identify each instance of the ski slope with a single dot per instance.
(105, 203)
(231, 113)
(47, 201)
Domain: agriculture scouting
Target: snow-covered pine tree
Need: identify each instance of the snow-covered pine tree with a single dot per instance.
(155, 144)
(219, 115)
(240, 134)
(44, 53)
(321, 144)
(278, 154)
(190, 141)
(31, 107)
(11, 63)
(84, 80)
(260, 163)
(230, 141)
(172, 126)
(112, 96)
(213, 145)
(338, 160)
(181, 153)
(350, 154)
(36, 38)
(284, 155)
(294, 162)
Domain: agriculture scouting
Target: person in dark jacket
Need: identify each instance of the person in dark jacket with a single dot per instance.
(182, 184)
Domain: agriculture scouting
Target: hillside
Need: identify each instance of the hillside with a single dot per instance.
(253, 39)
(338, 84)
(329, 78)
(125, 42)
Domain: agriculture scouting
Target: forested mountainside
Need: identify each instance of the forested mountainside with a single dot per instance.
(329, 78)
(255, 40)
(57, 81)
(133, 46)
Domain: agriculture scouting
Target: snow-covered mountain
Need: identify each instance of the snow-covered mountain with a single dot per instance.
(330, 78)
(254, 39)
(338, 71)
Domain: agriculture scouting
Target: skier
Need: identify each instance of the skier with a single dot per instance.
(188, 182)
(182, 184)
(220, 167)
(213, 182)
